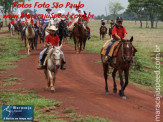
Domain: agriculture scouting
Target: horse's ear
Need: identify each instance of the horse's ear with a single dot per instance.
(60, 46)
(131, 38)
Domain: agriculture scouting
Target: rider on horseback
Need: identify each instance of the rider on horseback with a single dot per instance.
(102, 23)
(46, 21)
(51, 40)
(78, 11)
(26, 19)
(119, 32)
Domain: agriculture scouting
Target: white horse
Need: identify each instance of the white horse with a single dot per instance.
(52, 64)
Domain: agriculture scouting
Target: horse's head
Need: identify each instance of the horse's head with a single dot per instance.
(56, 56)
(80, 22)
(127, 50)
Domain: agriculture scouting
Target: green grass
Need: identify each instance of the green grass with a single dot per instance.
(29, 99)
(79, 118)
(9, 51)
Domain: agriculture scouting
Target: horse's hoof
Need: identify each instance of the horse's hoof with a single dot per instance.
(124, 97)
(52, 91)
(107, 92)
(115, 90)
(120, 93)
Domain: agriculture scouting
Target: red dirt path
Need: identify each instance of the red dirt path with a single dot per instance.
(81, 85)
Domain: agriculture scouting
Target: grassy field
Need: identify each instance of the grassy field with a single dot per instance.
(145, 40)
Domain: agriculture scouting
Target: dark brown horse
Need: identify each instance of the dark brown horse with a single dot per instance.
(78, 35)
(123, 63)
(103, 32)
(110, 31)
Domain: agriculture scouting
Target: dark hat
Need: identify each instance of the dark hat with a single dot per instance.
(48, 9)
(119, 19)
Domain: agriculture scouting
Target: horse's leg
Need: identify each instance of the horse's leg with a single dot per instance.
(80, 41)
(51, 81)
(113, 76)
(126, 78)
(106, 69)
(75, 42)
(121, 92)
(46, 76)
(27, 46)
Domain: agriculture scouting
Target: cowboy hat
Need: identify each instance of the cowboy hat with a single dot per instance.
(48, 9)
(59, 12)
(53, 28)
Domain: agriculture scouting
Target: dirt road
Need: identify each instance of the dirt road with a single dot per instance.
(81, 85)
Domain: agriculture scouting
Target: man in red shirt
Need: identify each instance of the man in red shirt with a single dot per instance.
(118, 32)
(12, 22)
(51, 40)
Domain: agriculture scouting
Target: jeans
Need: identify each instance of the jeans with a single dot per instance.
(23, 32)
(46, 24)
(109, 46)
(42, 53)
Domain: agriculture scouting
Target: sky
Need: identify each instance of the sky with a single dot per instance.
(96, 7)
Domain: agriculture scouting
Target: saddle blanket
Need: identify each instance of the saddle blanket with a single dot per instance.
(114, 49)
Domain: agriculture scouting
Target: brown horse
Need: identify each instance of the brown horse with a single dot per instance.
(123, 63)
(110, 31)
(30, 37)
(78, 35)
(103, 31)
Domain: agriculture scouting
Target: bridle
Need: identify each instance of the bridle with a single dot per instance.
(124, 57)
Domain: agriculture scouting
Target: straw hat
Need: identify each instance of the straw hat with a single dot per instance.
(53, 28)
(59, 12)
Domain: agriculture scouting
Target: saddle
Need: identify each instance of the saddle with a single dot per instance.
(114, 49)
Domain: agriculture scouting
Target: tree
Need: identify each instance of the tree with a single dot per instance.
(153, 9)
(136, 6)
(115, 7)
(8, 7)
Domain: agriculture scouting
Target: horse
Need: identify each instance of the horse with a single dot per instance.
(62, 30)
(19, 27)
(30, 37)
(54, 59)
(12, 28)
(103, 31)
(110, 30)
(78, 35)
(123, 63)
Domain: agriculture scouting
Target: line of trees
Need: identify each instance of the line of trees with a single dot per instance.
(142, 10)
(7, 7)
(150, 9)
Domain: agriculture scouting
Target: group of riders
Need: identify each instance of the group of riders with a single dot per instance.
(53, 38)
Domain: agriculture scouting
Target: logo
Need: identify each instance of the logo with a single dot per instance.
(17, 112)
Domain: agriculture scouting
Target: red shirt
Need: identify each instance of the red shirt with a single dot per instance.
(52, 39)
(119, 31)
(12, 22)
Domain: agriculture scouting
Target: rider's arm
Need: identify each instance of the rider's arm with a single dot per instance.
(117, 37)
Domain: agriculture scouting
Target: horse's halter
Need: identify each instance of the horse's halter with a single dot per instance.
(126, 58)
(56, 56)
